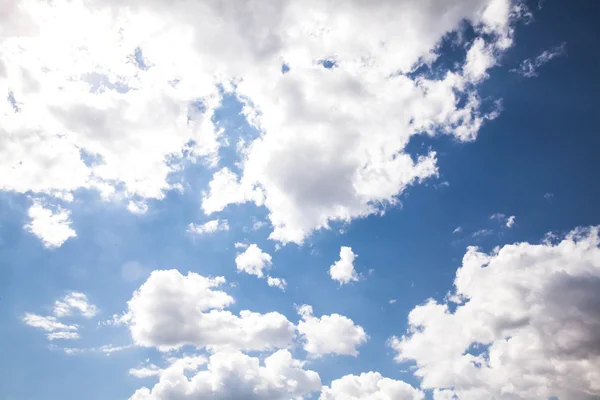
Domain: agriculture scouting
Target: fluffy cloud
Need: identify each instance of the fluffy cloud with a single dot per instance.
(119, 98)
(332, 147)
(84, 113)
(209, 227)
(329, 334)
(343, 269)
(277, 282)
(137, 207)
(529, 67)
(525, 325)
(253, 261)
(370, 386)
(74, 302)
(234, 375)
(171, 310)
(52, 227)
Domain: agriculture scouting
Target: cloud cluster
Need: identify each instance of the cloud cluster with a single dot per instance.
(254, 261)
(72, 304)
(118, 99)
(171, 310)
(524, 326)
(234, 375)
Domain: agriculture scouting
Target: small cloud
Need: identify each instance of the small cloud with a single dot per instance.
(497, 217)
(392, 301)
(52, 227)
(209, 227)
(482, 233)
(253, 260)
(343, 269)
(277, 282)
(74, 302)
(63, 335)
(548, 196)
(137, 207)
(239, 245)
(528, 67)
(510, 222)
(458, 229)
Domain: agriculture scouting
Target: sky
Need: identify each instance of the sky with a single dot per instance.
(299, 200)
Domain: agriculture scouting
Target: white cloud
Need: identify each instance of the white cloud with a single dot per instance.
(189, 363)
(87, 79)
(253, 261)
(74, 301)
(171, 310)
(329, 334)
(305, 165)
(370, 386)
(392, 301)
(62, 335)
(209, 227)
(234, 375)
(458, 229)
(48, 324)
(497, 217)
(525, 326)
(343, 269)
(72, 304)
(529, 67)
(137, 207)
(277, 282)
(53, 228)
(510, 221)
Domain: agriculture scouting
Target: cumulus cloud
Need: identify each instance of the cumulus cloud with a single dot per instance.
(529, 67)
(171, 310)
(253, 261)
(74, 302)
(343, 269)
(525, 324)
(277, 282)
(118, 99)
(53, 228)
(370, 386)
(234, 375)
(209, 227)
(329, 334)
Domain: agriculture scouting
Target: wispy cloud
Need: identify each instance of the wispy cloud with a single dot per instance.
(528, 68)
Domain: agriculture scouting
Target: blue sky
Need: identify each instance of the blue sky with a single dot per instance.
(536, 160)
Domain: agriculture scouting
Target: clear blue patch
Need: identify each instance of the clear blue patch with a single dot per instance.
(138, 55)
(13, 102)
(230, 118)
(329, 64)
